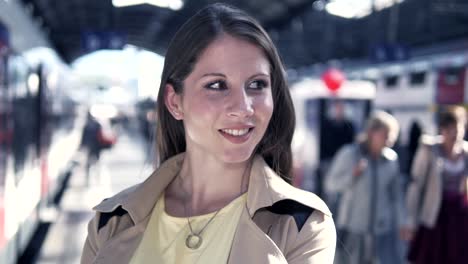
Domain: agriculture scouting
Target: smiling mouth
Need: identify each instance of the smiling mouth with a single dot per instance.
(236, 132)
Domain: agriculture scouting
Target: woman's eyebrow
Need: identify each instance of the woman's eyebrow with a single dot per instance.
(213, 74)
(217, 74)
(259, 74)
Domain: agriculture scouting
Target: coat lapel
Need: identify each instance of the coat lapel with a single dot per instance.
(252, 245)
(120, 249)
(267, 188)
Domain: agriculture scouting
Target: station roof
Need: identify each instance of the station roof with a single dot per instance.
(302, 30)
(144, 25)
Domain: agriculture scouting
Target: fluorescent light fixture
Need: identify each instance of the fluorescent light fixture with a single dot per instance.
(124, 3)
(357, 8)
(348, 8)
(171, 4)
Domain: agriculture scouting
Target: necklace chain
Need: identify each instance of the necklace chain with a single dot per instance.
(194, 239)
(190, 225)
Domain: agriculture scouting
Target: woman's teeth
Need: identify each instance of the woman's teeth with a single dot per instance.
(236, 132)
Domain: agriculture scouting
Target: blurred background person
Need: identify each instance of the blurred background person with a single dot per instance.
(339, 132)
(414, 138)
(93, 140)
(146, 114)
(371, 208)
(90, 144)
(437, 195)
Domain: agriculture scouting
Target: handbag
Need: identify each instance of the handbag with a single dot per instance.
(105, 141)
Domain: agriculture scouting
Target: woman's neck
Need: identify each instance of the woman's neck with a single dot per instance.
(452, 149)
(207, 184)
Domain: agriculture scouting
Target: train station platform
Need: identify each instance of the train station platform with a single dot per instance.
(127, 163)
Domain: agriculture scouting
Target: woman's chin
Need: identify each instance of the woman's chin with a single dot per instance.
(237, 156)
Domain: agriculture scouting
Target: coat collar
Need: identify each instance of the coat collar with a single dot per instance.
(265, 189)
(431, 141)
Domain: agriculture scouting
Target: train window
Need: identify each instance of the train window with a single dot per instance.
(417, 78)
(453, 75)
(391, 81)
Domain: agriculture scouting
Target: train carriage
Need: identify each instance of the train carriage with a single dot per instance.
(315, 107)
(37, 142)
(415, 90)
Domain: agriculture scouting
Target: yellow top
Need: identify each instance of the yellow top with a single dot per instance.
(165, 236)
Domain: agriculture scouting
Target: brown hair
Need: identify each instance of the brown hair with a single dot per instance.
(451, 115)
(182, 54)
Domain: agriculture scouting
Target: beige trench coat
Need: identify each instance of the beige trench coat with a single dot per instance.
(261, 235)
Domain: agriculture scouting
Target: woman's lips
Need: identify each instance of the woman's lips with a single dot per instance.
(236, 139)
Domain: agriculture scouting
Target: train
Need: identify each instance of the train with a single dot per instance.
(316, 108)
(40, 128)
(414, 90)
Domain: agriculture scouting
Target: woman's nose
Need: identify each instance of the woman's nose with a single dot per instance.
(240, 104)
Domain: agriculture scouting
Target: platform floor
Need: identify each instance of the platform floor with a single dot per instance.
(126, 164)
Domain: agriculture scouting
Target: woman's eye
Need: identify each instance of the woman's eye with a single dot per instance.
(217, 85)
(258, 85)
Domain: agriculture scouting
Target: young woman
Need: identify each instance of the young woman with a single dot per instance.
(371, 210)
(438, 194)
(221, 193)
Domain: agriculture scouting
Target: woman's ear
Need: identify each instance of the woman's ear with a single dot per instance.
(173, 102)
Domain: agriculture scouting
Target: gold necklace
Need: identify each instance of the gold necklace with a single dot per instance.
(194, 240)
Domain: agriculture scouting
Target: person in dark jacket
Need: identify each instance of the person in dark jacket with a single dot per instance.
(91, 144)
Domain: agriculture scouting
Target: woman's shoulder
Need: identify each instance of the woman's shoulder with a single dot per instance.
(299, 200)
(302, 206)
(429, 141)
(111, 203)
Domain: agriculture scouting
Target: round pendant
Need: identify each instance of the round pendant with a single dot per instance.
(193, 241)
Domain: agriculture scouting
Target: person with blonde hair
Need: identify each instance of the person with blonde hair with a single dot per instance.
(437, 197)
(371, 209)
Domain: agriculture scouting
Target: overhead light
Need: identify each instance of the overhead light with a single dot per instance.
(349, 9)
(171, 4)
(124, 3)
(357, 8)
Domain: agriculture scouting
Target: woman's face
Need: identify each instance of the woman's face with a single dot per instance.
(378, 139)
(227, 101)
(453, 133)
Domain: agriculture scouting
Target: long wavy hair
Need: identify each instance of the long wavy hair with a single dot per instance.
(183, 52)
